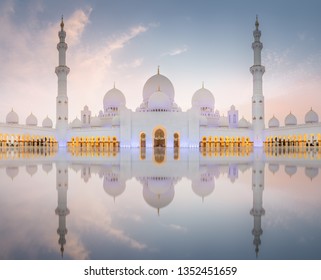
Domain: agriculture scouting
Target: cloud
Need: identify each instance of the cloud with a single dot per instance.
(31, 57)
(176, 51)
(76, 25)
(133, 64)
(119, 42)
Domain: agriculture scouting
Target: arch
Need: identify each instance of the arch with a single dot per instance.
(176, 140)
(142, 138)
(159, 137)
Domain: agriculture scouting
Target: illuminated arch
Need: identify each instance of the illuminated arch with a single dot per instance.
(159, 136)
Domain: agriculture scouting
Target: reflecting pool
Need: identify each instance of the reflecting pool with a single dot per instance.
(160, 204)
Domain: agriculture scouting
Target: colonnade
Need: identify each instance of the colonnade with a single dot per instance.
(27, 140)
(217, 142)
(300, 140)
(90, 142)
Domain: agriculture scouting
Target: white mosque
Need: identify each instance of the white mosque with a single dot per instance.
(159, 121)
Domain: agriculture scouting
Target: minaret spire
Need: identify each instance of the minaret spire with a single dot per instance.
(62, 99)
(62, 210)
(62, 23)
(257, 71)
(257, 23)
(257, 187)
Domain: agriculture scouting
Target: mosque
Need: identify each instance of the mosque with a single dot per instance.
(159, 121)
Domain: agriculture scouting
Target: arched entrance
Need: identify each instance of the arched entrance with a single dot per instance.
(143, 139)
(159, 138)
(176, 140)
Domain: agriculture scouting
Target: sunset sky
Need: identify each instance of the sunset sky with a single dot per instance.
(192, 41)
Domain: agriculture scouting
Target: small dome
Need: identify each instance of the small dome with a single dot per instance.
(311, 172)
(243, 123)
(203, 185)
(155, 82)
(12, 118)
(76, 123)
(274, 122)
(311, 117)
(31, 169)
(159, 100)
(95, 122)
(274, 167)
(290, 169)
(116, 121)
(12, 171)
(47, 167)
(203, 121)
(290, 119)
(114, 98)
(31, 120)
(203, 98)
(223, 121)
(47, 122)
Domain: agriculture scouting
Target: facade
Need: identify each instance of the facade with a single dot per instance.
(159, 121)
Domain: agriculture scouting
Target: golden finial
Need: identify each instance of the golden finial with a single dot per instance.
(158, 70)
(158, 89)
(203, 84)
(62, 22)
(114, 84)
(257, 23)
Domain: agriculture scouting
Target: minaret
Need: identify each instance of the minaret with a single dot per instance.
(257, 71)
(62, 211)
(62, 99)
(257, 211)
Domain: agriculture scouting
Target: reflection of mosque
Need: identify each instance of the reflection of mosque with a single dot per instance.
(154, 171)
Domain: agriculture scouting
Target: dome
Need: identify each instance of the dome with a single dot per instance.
(113, 186)
(203, 186)
(203, 98)
(274, 122)
(203, 121)
(243, 123)
(12, 117)
(31, 169)
(31, 120)
(223, 121)
(158, 200)
(311, 172)
(159, 185)
(116, 121)
(12, 171)
(47, 122)
(159, 100)
(114, 98)
(95, 122)
(76, 123)
(290, 169)
(273, 167)
(311, 117)
(155, 82)
(47, 167)
(290, 119)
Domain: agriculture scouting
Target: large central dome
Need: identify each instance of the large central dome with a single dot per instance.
(160, 82)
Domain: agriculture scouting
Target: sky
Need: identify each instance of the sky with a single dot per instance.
(123, 42)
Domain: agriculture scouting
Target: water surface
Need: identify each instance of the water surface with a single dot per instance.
(160, 204)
